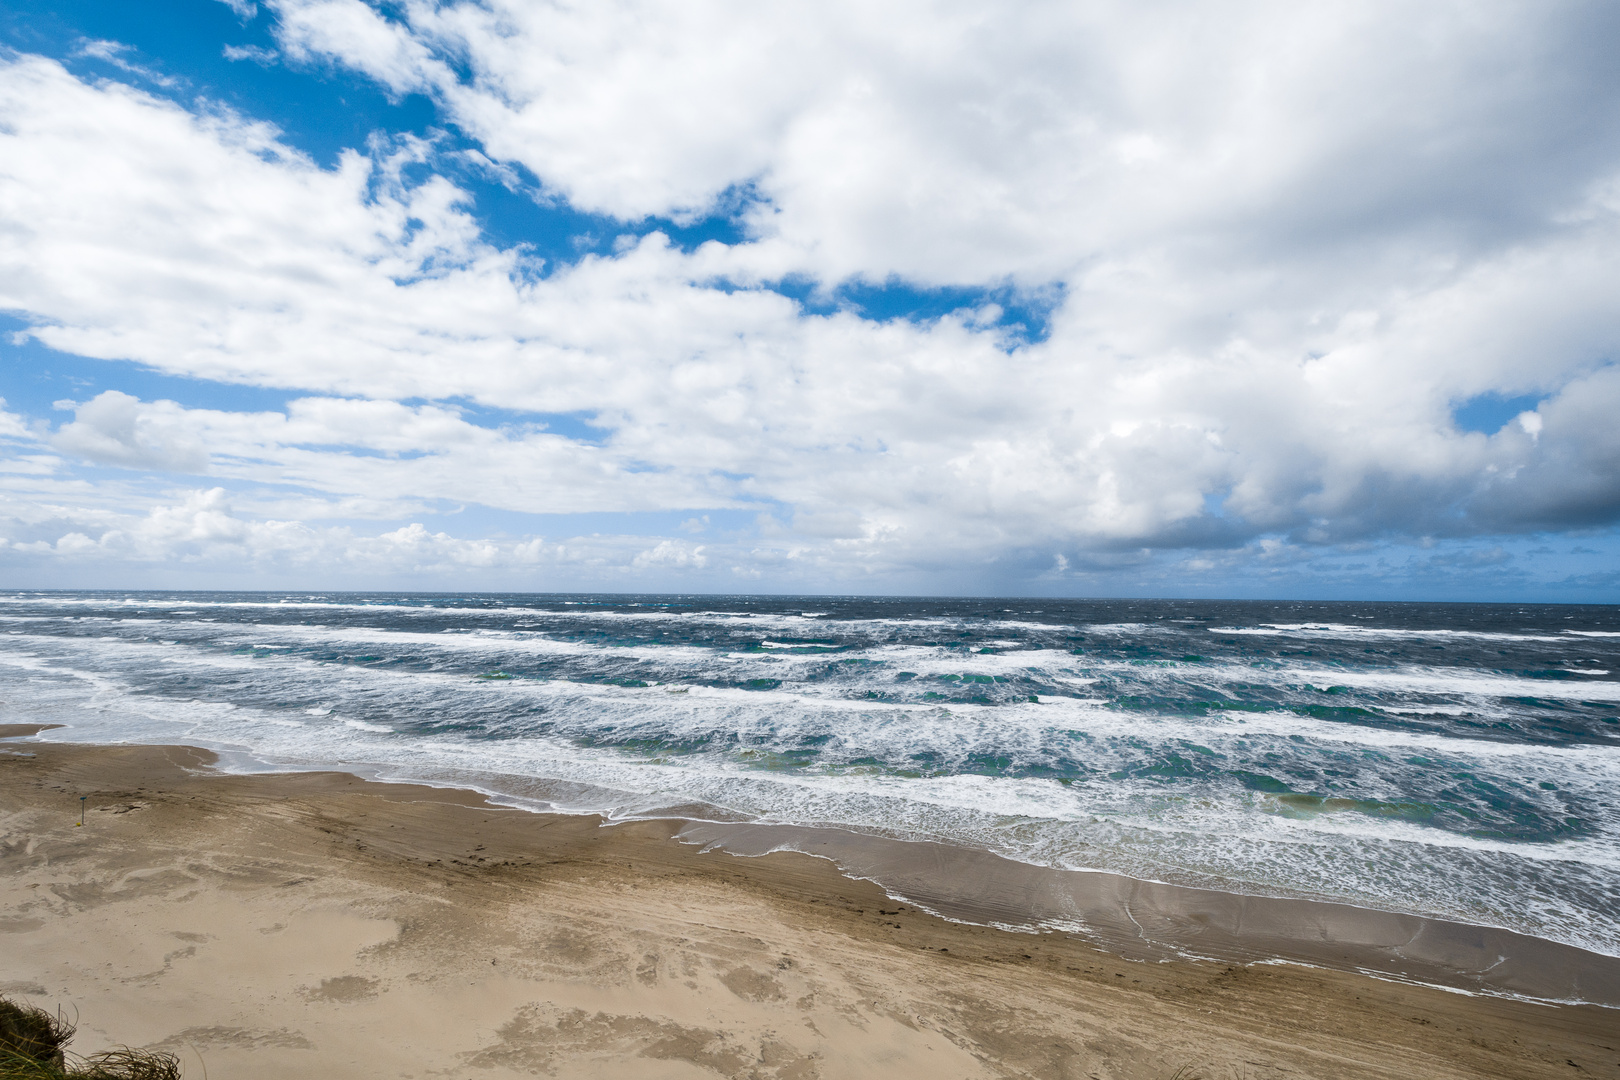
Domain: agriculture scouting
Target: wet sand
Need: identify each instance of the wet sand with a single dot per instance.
(306, 924)
(1146, 920)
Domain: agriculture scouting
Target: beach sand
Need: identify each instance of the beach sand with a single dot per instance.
(317, 924)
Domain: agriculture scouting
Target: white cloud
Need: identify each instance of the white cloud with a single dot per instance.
(959, 142)
(203, 529)
(1287, 242)
(116, 429)
(671, 553)
(256, 53)
(12, 426)
(112, 52)
(358, 35)
(381, 449)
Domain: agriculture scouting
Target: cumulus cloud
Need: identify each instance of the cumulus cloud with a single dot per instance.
(381, 449)
(671, 553)
(12, 426)
(1285, 242)
(204, 530)
(115, 428)
(958, 142)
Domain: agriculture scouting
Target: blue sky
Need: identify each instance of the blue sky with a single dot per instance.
(1059, 299)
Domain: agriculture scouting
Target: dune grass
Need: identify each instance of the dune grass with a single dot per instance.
(32, 1047)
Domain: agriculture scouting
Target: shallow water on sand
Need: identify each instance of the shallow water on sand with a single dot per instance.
(1457, 761)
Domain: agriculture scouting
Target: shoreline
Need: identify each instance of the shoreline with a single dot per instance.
(441, 874)
(1134, 918)
(1154, 921)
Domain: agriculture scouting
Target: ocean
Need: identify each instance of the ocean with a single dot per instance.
(1460, 762)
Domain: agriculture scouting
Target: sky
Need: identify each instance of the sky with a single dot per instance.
(1090, 298)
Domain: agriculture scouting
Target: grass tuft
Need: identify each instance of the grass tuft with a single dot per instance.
(32, 1047)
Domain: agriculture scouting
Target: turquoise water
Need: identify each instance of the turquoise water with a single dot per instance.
(1451, 760)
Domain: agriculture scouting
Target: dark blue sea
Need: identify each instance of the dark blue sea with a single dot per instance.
(1460, 761)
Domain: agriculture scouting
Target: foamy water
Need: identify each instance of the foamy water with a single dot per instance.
(1453, 761)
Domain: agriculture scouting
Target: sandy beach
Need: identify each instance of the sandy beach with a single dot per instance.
(317, 924)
